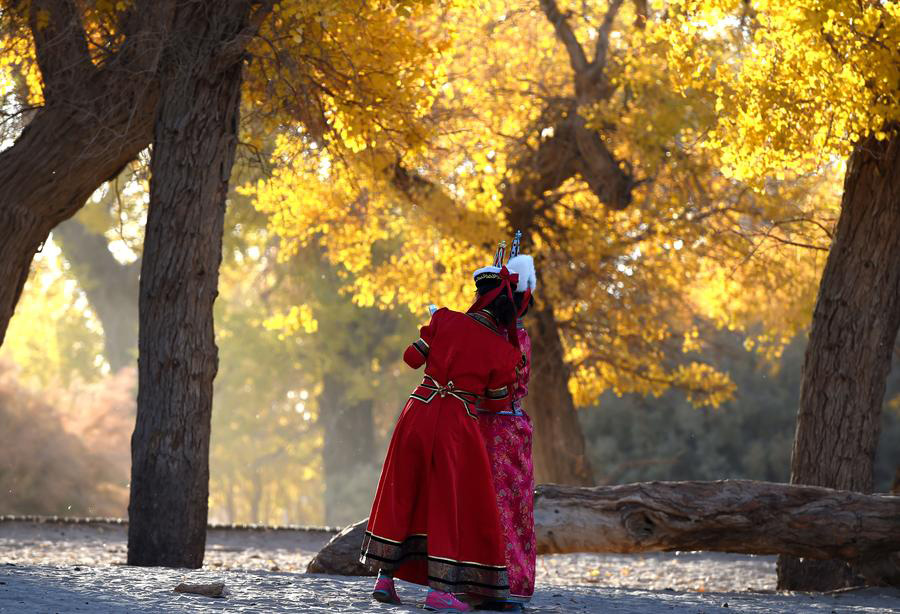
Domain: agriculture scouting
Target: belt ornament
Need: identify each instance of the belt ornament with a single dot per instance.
(432, 389)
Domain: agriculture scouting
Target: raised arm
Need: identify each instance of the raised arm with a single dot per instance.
(417, 352)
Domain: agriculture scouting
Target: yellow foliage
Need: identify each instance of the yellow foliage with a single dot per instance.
(625, 286)
(810, 78)
(395, 130)
(19, 73)
(298, 318)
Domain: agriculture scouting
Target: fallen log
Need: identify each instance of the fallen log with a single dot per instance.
(741, 516)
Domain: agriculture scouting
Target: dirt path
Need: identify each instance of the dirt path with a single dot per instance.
(59, 567)
(108, 590)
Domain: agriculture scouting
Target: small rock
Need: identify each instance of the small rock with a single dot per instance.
(216, 589)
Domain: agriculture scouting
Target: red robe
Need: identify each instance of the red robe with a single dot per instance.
(434, 520)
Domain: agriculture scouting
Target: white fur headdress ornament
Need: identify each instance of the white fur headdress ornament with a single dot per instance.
(523, 265)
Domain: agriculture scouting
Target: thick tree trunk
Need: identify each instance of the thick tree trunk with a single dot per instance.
(111, 288)
(558, 448)
(852, 338)
(348, 448)
(728, 516)
(193, 151)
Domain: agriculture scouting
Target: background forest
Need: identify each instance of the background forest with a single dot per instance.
(677, 274)
(68, 418)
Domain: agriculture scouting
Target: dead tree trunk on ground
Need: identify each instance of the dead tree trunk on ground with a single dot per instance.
(739, 516)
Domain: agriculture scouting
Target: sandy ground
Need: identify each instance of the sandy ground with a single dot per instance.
(53, 567)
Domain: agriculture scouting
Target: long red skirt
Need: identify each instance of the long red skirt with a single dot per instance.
(434, 520)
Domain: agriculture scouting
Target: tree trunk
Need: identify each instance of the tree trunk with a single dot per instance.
(851, 341)
(559, 448)
(193, 151)
(728, 516)
(111, 288)
(348, 449)
(741, 516)
(229, 502)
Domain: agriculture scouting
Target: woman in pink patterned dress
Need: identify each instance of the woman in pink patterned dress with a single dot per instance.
(507, 437)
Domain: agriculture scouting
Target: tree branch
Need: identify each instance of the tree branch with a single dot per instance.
(234, 48)
(642, 11)
(61, 46)
(602, 48)
(424, 192)
(577, 57)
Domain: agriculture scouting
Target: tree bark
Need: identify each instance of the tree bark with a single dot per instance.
(348, 446)
(111, 288)
(93, 122)
(851, 341)
(740, 516)
(195, 137)
(559, 447)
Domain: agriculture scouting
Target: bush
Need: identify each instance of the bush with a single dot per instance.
(65, 450)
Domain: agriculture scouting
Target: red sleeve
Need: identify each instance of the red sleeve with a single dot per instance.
(417, 351)
(498, 395)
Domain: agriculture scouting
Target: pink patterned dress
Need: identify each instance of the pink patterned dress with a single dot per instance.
(507, 437)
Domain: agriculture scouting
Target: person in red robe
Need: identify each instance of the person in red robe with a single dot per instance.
(434, 519)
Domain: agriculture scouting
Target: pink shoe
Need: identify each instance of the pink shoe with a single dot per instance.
(439, 601)
(385, 591)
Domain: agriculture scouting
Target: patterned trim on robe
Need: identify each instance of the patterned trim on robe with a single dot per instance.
(486, 320)
(443, 574)
(421, 346)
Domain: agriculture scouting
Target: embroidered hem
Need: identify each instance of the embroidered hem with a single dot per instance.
(443, 573)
